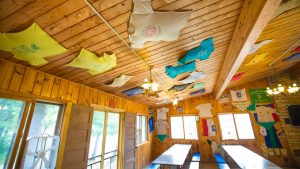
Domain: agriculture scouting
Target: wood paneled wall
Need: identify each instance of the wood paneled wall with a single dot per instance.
(20, 82)
(201, 145)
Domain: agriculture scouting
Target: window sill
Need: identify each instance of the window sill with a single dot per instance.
(140, 144)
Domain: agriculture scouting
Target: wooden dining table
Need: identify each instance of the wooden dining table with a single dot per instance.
(248, 159)
(174, 157)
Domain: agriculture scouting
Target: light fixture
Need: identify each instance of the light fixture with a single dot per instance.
(175, 102)
(150, 87)
(281, 89)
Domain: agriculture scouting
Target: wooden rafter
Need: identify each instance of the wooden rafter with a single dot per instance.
(254, 16)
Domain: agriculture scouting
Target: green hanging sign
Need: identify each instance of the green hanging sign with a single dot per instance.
(259, 96)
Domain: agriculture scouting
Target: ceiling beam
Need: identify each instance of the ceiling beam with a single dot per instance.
(254, 16)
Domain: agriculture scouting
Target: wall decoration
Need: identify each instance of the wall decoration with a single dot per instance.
(226, 106)
(265, 112)
(296, 50)
(241, 105)
(208, 127)
(161, 129)
(149, 110)
(257, 59)
(197, 92)
(198, 85)
(179, 108)
(292, 57)
(204, 110)
(258, 45)
(259, 96)
(94, 64)
(238, 95)
(162, 113)
(194, 76)
(31, 45)
(238, 76)
(271, 152)
(133, 91)
(120, 81)
(225, 98)
(286, 6)
(173, 71)
(178, 88)
(252, 107)
(277, 152)
(265, 149)
(263, 131)
(202, 52)
(151, 124)
(148, 25)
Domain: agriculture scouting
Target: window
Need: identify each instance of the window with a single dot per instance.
(184, 127)
(104, 134)
(11, 112)
(236, 126)
(141, 132)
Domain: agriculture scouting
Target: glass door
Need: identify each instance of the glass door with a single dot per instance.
(104, 140)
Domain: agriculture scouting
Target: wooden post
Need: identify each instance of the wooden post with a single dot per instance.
(254, 17)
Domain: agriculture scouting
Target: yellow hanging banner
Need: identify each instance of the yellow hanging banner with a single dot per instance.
(94, 64)
(32, 45)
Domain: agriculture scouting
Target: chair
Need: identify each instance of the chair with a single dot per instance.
(153, 166)
(196, 157)
(221, 161)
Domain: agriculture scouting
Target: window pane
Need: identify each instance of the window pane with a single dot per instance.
(227, 126)
(243, 126)
(190, 127)
(45, 120)
(138, 130)
(112, 141)
(10, 115)
(96, 139)
(177, 127)
(144, 127)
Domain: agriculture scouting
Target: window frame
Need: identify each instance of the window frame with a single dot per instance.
(146, 129)
(170, 128)
(235, 127)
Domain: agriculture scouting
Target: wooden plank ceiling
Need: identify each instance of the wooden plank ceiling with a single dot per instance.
(74, 25)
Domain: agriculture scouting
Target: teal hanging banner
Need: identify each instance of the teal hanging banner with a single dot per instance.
(259, 96)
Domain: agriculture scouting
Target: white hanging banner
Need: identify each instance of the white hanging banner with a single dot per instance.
(238, 95)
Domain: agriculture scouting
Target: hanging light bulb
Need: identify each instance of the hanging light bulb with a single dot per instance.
(280, 88)
(275, 91)
(155, 86)
(269, 91)
(175, 102)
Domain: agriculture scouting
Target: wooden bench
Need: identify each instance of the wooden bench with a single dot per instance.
(196, 157)
(153, 166)
(221, 161)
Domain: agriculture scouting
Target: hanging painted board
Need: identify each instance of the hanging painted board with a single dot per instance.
(202, 52)
(197, 92)
(204, 109)
(208, 127)
(225, 98)
(238, 95)
(238, 76)
(286, 6)
(173, 71)
(148, 25)
(151, 124)
(292, 57)
(241, 105)
(257, 59)
(31, 45)
(296, 50)
(198, 85)
(162, 113)
(161, 129)
(252, 107)
(194, 76)
(266, 113)
(95, 65)
(178, 88)
(259, 96)
(133, 91)
(258, 45)
(120, 81)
